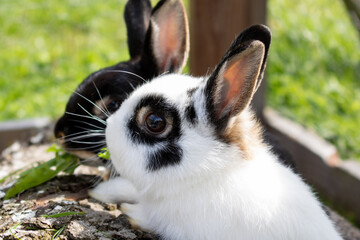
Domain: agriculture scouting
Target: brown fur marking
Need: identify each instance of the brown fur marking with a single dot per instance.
(246, 133)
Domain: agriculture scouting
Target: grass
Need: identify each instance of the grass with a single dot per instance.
(48, 48)
(314, 69)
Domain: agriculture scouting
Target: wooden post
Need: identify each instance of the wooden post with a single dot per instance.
(214, 24)
(353, 8)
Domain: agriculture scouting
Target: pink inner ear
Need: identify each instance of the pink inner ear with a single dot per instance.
(234, 79)
(169, 39)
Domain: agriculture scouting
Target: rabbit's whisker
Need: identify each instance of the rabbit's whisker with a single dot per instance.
(71, 135)
(131, 85)
(84, 142)
(92, 125)
(97, 180)
(95, 147)
(91, 130)
(89, 159)
(83, 137)
(127, 72)
(96, 132)
(113, 172)
(92, 103)
(95, 117)
(84, 116)
(102, 101)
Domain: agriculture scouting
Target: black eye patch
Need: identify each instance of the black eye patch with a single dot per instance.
(168, 155)
(159, 105)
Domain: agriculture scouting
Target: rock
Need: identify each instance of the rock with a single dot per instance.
(24, 216)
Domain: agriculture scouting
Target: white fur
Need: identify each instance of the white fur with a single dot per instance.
(213, 193)
(114, 190)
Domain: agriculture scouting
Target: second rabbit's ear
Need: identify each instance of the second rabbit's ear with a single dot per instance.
(167, 40)
(137, 17)
(232, 85)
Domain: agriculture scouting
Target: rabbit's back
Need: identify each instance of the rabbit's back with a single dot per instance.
(262, 199)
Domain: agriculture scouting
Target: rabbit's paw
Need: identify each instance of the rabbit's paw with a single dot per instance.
(134, 215)
(115, 190)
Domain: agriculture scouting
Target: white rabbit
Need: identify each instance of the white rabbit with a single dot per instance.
(191, 157)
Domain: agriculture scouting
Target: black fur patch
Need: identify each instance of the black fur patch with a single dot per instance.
(169, 155)
(190, 113)
(157, 104)
(137, 15)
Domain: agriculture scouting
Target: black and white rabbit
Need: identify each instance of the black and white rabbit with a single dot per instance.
(158, 43)
(193, 164)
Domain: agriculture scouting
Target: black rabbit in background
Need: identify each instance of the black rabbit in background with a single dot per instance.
(158, 43)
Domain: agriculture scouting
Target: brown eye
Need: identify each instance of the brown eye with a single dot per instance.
(113, 105)
(155, 123)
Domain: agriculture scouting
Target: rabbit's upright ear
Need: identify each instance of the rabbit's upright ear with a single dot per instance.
(167, 41)
(232, 85)
(137, 17)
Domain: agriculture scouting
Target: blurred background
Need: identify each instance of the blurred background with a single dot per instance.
(313, 76)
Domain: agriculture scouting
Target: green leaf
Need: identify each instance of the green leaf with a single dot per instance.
(104, 154)
(13, 228)
(55, 148)
(58, 232)
(71, 168)
(43, 172)
(106, 235)
(64, 214)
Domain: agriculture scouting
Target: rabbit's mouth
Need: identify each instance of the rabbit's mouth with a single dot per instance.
(85, 145)
(87, 158)
(83, 154)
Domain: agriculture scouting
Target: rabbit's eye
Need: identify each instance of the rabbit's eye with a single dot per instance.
(154, 123)
(113, 105)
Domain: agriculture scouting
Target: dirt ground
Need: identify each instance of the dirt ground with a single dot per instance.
(22, 217)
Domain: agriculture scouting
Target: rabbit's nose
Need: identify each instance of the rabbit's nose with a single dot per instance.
(59, 131)
(60, 137)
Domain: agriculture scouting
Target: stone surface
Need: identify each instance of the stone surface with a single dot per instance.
(24, 218)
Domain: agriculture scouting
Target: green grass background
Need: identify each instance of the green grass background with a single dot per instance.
(314, 69)
(48, 47)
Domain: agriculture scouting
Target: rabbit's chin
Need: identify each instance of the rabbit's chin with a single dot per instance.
(84, 154)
